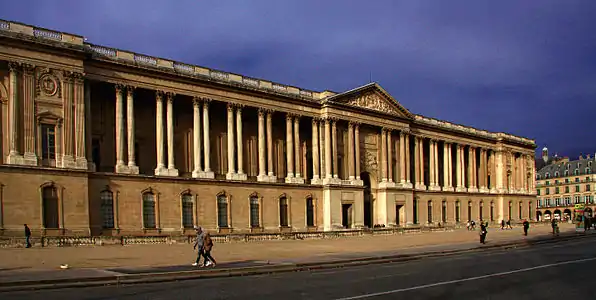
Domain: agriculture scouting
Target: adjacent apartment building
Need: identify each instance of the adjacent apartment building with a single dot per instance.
(104, 141)
(561, 184)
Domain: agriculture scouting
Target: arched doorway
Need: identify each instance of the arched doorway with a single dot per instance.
(567, 214)
(538, 216)
(548, 215)
(368, 199)
(557, 215)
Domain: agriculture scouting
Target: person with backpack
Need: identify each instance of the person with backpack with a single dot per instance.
(526, 225)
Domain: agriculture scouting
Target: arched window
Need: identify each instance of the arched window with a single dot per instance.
(469, 210)
(492, 211)
(444, 211)
(557, 174)
(480, 207)
(254, 212)
(566, 173)
(588, 171)
(283, 212)
(310, 212)
(149, 210)
(187, 210)
(50, 207)
(457, 212)
(576, 172)
(222, 211)
(546, 176)
(107, 209)
(538, 177)
(430, 211)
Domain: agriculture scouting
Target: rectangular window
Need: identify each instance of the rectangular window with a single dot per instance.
(556, 190)
(566, 180)
(587, 187)
(556, 182)
(547, 190)
(187, 211)
(310, 213)
(576, 179)
(566, 189)
(538, 192)
(283, 212)
(577, 188)
(48, 141)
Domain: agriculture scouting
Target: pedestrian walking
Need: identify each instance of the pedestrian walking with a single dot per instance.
(207, 247)
(553, 224)
(483, 233)
(526, 225)
(27, 236)
(199, 244)
(502, 224)
(509, 224)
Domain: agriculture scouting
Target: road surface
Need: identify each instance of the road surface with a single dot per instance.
(548, 271)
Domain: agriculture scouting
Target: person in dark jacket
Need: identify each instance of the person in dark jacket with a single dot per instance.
(483, 233)
(207, 247)
(526, 225)
(28, 236)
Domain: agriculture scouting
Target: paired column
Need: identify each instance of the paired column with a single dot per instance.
(297, 154)
(171, 167)
(447, 170)
(198, 171)
(353, 154)
(402, 158)
(68, 160)
(383, 155)
(80, 124)
(270, 173)
(472, 170)
(357, 151)
(232, 174)
(334, 145)
(460, 169)
(293, 160)
(389, 157)
(386, 159)
(265, 147)
(420, 164)
(316, 179)
(351, 165)
(328, 172)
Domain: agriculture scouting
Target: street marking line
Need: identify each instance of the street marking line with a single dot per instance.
(466, 279)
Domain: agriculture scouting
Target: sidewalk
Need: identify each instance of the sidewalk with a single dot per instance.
(161, 255)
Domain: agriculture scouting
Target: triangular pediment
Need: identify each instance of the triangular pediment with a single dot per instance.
(372, 97)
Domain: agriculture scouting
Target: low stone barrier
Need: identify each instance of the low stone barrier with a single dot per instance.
(68, 241)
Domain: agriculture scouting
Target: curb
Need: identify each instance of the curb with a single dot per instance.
(261, 270)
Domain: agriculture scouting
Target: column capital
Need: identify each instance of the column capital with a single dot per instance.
(170, 95)
(159, 94)
(262, 111)
(67, 76)
(130, 89)
(119, 87)
(196, 101)
(14, 66)
(239, 107)
(230, 107)
(28, 69)
(354, 123)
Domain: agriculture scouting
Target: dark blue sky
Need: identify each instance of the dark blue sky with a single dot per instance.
(522, 67)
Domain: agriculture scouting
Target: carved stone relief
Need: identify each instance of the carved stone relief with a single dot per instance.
(368, 161)
(373, 101)
(48, 83)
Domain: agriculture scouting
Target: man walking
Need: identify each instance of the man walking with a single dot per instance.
(526, 225)
(482, 233)
(207, 247)
(502, 224)
(199, 244)
(28, 236)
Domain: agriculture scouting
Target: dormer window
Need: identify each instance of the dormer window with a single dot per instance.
(537, 176)
(588, 171)
(547, 176)
(566, 173)
(557, 174)
(576, 172)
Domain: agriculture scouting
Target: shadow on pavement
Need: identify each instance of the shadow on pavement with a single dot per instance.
(189, 267)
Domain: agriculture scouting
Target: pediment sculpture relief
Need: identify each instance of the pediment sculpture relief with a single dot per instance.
(375, 102)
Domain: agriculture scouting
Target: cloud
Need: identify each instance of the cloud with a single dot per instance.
(525, 67)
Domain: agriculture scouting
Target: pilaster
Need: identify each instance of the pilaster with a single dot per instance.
(29, 156)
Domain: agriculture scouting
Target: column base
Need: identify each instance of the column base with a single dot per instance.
(163, 171)
(420, 186)
(357, 182)
(121, 168)
(68, 162)
(316, 181)
(473, 190)
(386, 184)
(81, 163)
(133, 169)
(30, 159)
(266, 178)
(203, 174)
(236, 176)
(447, 189)
(331, 181)
(493, 191)
(14, 158)
(406, 185)
(483, 190)
(461, 189)
(294, 180)
(434, 188)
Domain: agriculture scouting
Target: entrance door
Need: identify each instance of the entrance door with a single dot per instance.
(346, 215)
(397, 210)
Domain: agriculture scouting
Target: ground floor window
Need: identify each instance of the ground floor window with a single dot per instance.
(283, 212)
(187, 211)
(149, 210)
(107, 209)
(254, 211)
(310, 212)
(222, 211)
(50, 207)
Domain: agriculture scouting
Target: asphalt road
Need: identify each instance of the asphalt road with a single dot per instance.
(549, 271)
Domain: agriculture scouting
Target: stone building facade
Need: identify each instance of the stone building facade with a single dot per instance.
(104, 141)
(562, 184)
